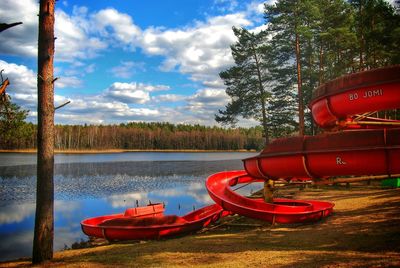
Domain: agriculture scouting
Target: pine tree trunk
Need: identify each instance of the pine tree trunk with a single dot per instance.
(298, 63)
(44, 219)
(299, 87)
(321, 65)
(362, 38)
(263, 100)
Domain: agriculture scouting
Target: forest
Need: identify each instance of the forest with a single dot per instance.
(138, 136)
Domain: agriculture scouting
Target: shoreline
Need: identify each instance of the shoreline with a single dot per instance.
(362, 232)
(112, 151)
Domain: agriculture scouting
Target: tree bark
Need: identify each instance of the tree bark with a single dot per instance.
(44, 218)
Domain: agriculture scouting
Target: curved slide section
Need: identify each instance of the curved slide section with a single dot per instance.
(357, 93)
(348, 153)
(281, 211)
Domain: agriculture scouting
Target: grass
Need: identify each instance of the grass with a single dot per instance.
(363, 232)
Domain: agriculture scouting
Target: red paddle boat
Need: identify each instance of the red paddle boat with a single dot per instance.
(152, 225)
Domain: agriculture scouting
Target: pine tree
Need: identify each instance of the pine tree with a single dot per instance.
(378, 33)
(312, 42)
(285, 24)
(382, 34)
(282, 104)
(12, 124)
(336, 39)
(247, 81)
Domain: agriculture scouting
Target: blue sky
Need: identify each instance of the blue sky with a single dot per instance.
(122, 61)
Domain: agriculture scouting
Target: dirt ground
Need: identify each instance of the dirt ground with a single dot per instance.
(364, 231)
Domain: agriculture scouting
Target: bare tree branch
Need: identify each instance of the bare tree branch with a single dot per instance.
(62, 105)
(5, 26)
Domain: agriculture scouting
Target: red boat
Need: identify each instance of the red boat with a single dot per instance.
(120, 227)
(281, 211)
(90, 226)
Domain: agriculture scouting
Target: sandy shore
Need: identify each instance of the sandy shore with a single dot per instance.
(363, 232)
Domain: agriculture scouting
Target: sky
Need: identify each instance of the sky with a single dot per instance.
(122, 61)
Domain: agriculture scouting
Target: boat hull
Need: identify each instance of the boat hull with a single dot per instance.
(117, 227)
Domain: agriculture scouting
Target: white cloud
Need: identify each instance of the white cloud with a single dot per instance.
(258, 7)
(225, 5)
(132, 92)
(68, 81)
(22, 79)
(201, 51)
(73, 41)
(169, 98)
(208, 97)
(127, 69)
(21, 39)
(127, 93)
(105, 108)
(113, 24)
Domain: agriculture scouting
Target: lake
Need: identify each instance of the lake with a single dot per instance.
(88, 185)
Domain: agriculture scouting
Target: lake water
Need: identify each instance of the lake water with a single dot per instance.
(88, 185)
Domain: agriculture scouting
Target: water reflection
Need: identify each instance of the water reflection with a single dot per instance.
(129, 199)
(16, 213)
(18, 159)
(194, 190)
(85, 190)
(16, 244)
(94, 180)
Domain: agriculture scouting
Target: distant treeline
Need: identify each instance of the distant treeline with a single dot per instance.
(141, 136)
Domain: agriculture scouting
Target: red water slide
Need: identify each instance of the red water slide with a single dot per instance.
(347, 153)
(343, 153)
(281, 211)
(338, 104)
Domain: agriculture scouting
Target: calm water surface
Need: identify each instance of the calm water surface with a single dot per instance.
(88, 185)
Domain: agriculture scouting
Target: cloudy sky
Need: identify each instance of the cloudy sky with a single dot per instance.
(121, 61)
